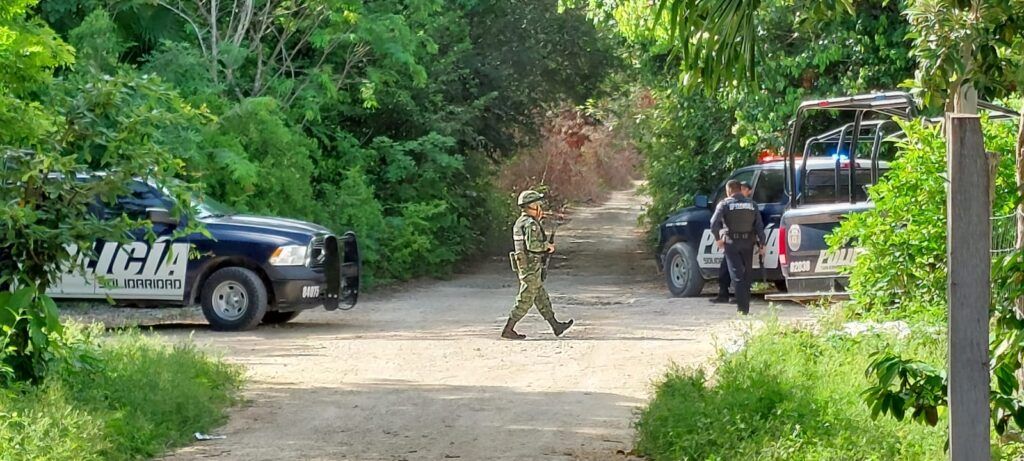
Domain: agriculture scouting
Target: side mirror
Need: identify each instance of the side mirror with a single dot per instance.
(160, 216)
(700, 201)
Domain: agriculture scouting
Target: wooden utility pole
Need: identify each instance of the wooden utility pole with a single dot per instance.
(969, 242)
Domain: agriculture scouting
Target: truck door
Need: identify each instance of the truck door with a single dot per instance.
(76, 282)
(770, 195)
(140, 269)
(709, 256)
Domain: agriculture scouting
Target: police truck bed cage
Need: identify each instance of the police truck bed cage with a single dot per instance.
(893, 104)
(871, 131)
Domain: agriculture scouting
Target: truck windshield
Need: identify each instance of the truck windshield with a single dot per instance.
(210, 208)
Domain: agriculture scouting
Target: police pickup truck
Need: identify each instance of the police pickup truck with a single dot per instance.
(249, 270)
(686, 251)
(812, 269)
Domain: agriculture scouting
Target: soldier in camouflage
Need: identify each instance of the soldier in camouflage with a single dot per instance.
(530, 246)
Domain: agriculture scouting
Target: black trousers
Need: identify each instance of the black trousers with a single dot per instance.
(739, 254)
(724, 279)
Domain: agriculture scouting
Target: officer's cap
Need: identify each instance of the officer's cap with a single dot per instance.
(745, 184)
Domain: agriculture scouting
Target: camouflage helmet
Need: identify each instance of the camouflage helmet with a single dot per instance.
(527, 197)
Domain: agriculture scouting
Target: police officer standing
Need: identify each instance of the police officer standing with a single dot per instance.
(737, 225)
(724, 279)
(531, 246)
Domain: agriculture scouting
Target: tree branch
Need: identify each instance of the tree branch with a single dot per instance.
(182, 15)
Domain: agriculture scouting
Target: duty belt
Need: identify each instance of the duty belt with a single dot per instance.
(741, 235)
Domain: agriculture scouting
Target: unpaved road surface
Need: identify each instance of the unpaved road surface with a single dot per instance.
(421, 374)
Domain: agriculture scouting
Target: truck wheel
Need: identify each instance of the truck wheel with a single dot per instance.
(278, 317)
(781, 286)
(234, 299)
(682, 275)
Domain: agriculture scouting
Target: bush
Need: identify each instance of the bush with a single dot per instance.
(789, 395)
(123, 397)
(903, 273)
(579, 159)
(688, 148)
(258, 162)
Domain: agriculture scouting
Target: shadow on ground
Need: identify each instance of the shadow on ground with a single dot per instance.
(424, 422)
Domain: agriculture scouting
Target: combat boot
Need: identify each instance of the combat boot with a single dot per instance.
(559, 327)
(509, 333)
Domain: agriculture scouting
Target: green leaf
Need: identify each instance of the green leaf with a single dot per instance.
(52, 314)
(20, 299)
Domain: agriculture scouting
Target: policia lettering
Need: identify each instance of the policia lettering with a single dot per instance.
(126, 270)
(530, 247)
(737, 224)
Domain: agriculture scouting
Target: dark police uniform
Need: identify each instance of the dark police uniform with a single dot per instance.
(724, 279)
(740, 220)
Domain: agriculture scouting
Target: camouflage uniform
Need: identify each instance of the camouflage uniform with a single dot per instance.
(530, 244)
(530, 247)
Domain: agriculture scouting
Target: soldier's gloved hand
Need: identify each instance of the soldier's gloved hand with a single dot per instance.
(551, 248)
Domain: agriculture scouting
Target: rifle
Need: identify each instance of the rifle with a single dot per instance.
(546, 259)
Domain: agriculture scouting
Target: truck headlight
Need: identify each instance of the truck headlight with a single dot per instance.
(291, 255)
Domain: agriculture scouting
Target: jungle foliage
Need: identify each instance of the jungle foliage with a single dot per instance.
(385, 117)
(693, 135)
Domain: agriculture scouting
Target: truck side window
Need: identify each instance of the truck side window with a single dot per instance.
(140, 197)
(821, 186)
(747, 176)
(770, 187)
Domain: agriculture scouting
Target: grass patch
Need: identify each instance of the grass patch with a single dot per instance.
(788, 394)
(124, 396)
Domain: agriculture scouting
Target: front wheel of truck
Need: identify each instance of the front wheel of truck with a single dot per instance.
(682, 275)
(234, 299)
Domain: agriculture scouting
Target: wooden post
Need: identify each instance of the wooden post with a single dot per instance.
(969, 242)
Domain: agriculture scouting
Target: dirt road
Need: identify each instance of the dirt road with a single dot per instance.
(422, 375)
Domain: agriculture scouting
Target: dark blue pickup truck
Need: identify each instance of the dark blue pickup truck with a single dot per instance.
(686, 251)
(249, 270)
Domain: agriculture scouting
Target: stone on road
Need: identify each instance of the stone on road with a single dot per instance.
(420, 374)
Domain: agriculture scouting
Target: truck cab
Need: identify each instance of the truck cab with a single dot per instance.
(687, 253)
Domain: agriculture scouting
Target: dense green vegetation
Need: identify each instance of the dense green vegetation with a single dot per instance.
(412, 122)
(129, 397)
(786, 395)
(692, 139)
(385, 117)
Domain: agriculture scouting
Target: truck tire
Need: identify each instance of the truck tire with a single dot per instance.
(278, 317)
(781, 286)
(682, 274)
(234, 299)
